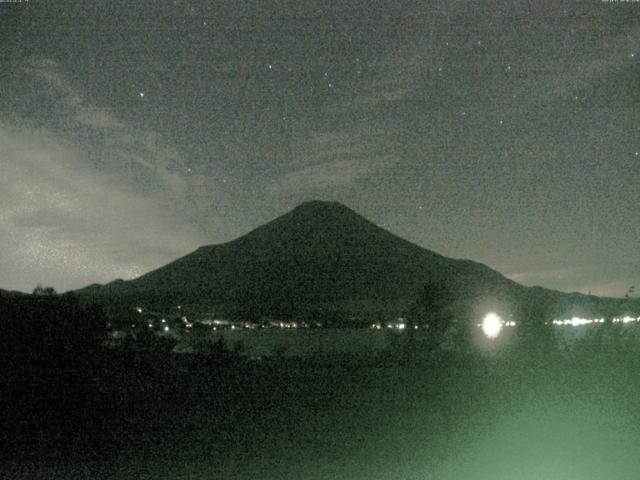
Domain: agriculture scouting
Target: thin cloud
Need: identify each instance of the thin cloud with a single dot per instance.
(337, 174)
(66, 226)
(615, 278)
(144, 148)
(334, 159)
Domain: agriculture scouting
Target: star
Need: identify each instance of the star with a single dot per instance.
(141, 94)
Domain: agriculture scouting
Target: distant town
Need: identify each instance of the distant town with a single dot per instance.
(163, 323)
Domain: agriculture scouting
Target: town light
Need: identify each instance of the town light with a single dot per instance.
(492, 325)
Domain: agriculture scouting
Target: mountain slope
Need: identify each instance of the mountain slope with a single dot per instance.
(319, 256)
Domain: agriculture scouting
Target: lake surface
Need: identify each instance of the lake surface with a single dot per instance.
(565, 413)
(472, 418)
(303, 341)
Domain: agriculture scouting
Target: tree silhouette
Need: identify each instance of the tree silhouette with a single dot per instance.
(44, 291)
(432, 299)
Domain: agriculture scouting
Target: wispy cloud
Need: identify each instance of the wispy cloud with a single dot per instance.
(611, 279)
(333, 160)
(563, 79)
(92, 206)
(326, 176)
(122, 142)
(67, 226)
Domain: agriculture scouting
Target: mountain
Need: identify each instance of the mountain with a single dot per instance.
(320, 257)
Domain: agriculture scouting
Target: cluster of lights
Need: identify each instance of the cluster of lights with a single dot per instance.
(492, 324)
(288, 325)
(235, 325)
(577, 321)
(393, 326)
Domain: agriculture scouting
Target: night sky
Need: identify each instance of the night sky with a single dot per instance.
(505, 132)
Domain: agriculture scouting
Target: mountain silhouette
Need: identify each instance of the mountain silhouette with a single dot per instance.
(320, 256)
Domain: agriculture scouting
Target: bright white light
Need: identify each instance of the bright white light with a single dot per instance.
(575, 321)
(166, 329)
(491, 325)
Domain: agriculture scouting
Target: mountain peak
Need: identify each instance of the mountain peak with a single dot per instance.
(324, 204)
(311, 222)
(313, 217)
(323, 208)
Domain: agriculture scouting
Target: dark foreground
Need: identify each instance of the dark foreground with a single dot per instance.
(542, 413)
